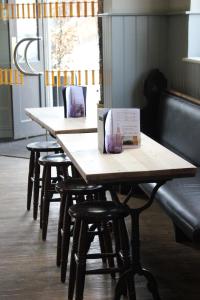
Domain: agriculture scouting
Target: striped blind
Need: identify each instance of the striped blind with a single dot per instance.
(71, 77)
(53, 78)
(51, 9)
(54, 9)
(10, 77)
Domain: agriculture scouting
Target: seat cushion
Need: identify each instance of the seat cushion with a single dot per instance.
(179, 126)
(180, 198)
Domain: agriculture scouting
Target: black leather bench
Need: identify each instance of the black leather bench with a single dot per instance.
(178, 129)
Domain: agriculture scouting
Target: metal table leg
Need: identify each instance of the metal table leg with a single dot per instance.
(127, 278)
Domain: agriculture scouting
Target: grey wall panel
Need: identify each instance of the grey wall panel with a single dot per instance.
(133, 45)
(118, 59)
(138, 44)
(107, 63)
(142, 59)
(5, 91)
(177, 41)
(5, 112)
(130, 66)
(4, 45)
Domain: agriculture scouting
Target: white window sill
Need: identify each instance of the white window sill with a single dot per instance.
(193, 60)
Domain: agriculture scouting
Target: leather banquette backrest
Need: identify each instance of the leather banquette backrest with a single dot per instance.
(179, 126)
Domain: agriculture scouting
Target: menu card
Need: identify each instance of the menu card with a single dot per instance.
(121, 129)
(74, 101)
(126, 122)
(102, 113)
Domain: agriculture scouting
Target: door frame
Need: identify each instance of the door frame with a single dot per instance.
(23, 127)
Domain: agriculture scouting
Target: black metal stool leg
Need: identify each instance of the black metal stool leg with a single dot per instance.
(72, 272)
(42, 195)
(65, 172)
(59, 173)
(101, 242)
(46, 201)
(65, 238)
(108, 246)
(36, 186)
(117, 243)
(60, 226)
(30, 179)
(81, 261)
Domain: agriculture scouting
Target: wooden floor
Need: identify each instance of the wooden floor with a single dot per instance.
(27, 264)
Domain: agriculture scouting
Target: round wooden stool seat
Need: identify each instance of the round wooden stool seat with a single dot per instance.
(62, 163)
(54, 160)
(96, 211)
(72, 190)
(34, 178)
(44, 146)
(77, 186)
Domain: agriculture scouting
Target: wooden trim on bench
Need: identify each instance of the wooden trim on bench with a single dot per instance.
(187, 97)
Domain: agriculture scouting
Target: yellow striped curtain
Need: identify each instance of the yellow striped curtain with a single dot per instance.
(53, 9)
(53, 78)
(10, 77)
(71, 77)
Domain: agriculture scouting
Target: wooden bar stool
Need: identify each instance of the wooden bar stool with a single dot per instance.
(62, 164)
(34, 170)
(96, 212)
(74, 191)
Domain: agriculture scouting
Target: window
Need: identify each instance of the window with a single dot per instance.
(193, 33)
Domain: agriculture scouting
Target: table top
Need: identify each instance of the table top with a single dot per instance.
(52, 119)
(150, 163)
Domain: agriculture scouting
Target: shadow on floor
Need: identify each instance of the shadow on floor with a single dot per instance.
(18, 148)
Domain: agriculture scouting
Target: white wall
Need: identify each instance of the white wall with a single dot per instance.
(195, 5)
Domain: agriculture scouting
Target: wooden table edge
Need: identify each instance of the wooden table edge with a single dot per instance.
(126, 176)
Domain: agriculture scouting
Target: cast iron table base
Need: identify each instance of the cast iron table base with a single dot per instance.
(128, 276)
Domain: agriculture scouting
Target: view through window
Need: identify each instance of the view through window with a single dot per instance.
(73, 46)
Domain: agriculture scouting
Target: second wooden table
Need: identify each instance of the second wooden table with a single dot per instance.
(52, 119)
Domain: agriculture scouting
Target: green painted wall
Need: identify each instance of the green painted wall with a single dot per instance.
(5, 91)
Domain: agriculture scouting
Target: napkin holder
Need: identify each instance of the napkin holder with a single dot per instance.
(69, 99)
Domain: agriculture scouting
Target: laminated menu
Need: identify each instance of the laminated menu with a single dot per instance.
(74, 101)
(122, 129)
(102, 114)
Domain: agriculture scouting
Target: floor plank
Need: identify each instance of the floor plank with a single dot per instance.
(27, 264)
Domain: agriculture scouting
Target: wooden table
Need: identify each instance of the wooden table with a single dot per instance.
(52, 119)
(150, 163)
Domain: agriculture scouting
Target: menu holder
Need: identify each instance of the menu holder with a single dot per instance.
(102, 114)
(74, 98)
(118, 128)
